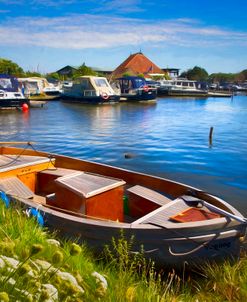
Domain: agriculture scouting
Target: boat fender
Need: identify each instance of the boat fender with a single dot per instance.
(145, 88)
(25, 107)
(4, 198)
(105, 96)
(32, 212)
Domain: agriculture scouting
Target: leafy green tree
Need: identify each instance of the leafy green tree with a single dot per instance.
(127, 74)
(242, 76)
(197, 74)
(84, 70)
(11, 68)
(161, 77)
(53, 75)
(222, 77)
(32, 74)
(141, 75)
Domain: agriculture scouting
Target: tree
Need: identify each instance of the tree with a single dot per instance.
(32, 74)
(11, 68)
(161, 77)
(141, 75)
(127, 74)
(197, 74)
(242, 76)
(53, 75)
(84, 70)
(222, 77)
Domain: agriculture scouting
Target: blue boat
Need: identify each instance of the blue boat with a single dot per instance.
(132, 88)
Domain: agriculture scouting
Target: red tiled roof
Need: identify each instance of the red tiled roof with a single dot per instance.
(136, 64)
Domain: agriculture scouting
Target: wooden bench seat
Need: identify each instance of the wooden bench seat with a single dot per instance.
(161, 216)
(143, 200)
(58, 172)
(15, 187)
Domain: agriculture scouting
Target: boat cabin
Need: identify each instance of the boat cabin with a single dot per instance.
(134, 88)
(33, 85)
(36, 86)
(89, 86)
(129, 85)
(8, 83)
(184, 84)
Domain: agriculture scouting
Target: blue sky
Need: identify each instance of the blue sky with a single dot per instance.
(46, 35)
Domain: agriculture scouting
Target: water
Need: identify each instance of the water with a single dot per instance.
(168, 138)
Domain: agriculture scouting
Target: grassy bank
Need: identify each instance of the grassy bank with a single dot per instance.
(36, 266)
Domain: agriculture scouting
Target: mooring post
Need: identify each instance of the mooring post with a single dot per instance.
(211, 136)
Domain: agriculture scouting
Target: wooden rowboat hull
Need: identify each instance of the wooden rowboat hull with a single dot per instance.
(168, 244)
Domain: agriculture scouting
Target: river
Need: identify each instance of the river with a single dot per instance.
(168, 138)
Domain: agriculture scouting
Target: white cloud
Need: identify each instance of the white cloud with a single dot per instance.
(90, 31)
(120, 6)
(54, 3)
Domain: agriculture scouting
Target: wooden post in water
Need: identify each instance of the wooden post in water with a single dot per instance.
(210, 138)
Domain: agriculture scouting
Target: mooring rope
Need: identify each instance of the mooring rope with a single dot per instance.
(17, 157)
(28, 144)
(199, 245)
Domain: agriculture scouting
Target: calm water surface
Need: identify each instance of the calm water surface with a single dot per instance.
(168, 138)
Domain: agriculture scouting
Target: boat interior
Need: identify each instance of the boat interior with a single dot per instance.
(90, 195)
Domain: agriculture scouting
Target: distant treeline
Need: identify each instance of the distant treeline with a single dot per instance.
(200, 74)
(11, 68)
(196, 73)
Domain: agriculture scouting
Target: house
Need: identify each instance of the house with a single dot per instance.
(102, 72)
(67, 71)
(137, 64)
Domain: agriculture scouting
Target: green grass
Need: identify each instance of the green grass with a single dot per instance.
(128, 277)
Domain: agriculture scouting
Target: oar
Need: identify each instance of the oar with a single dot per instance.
(223, 212)
(193, 201)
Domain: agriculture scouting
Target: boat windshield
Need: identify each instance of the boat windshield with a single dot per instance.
(5, 83)
(139, 82)
(101, 83)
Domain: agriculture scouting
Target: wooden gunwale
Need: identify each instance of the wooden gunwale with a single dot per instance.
(173, 188)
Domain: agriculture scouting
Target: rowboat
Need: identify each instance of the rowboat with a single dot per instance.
(172, 223)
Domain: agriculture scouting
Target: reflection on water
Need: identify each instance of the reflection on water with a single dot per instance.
(168, 138)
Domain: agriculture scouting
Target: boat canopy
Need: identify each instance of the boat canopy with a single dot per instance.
(8, 83)
(131, 82)
(99, 84)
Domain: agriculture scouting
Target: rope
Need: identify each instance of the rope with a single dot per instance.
(50, 156)
(15, 159)
(29, 144)
(204, 244)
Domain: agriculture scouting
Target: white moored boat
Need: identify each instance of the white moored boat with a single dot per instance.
(181, 87)
(10, 95)
(90, 90)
